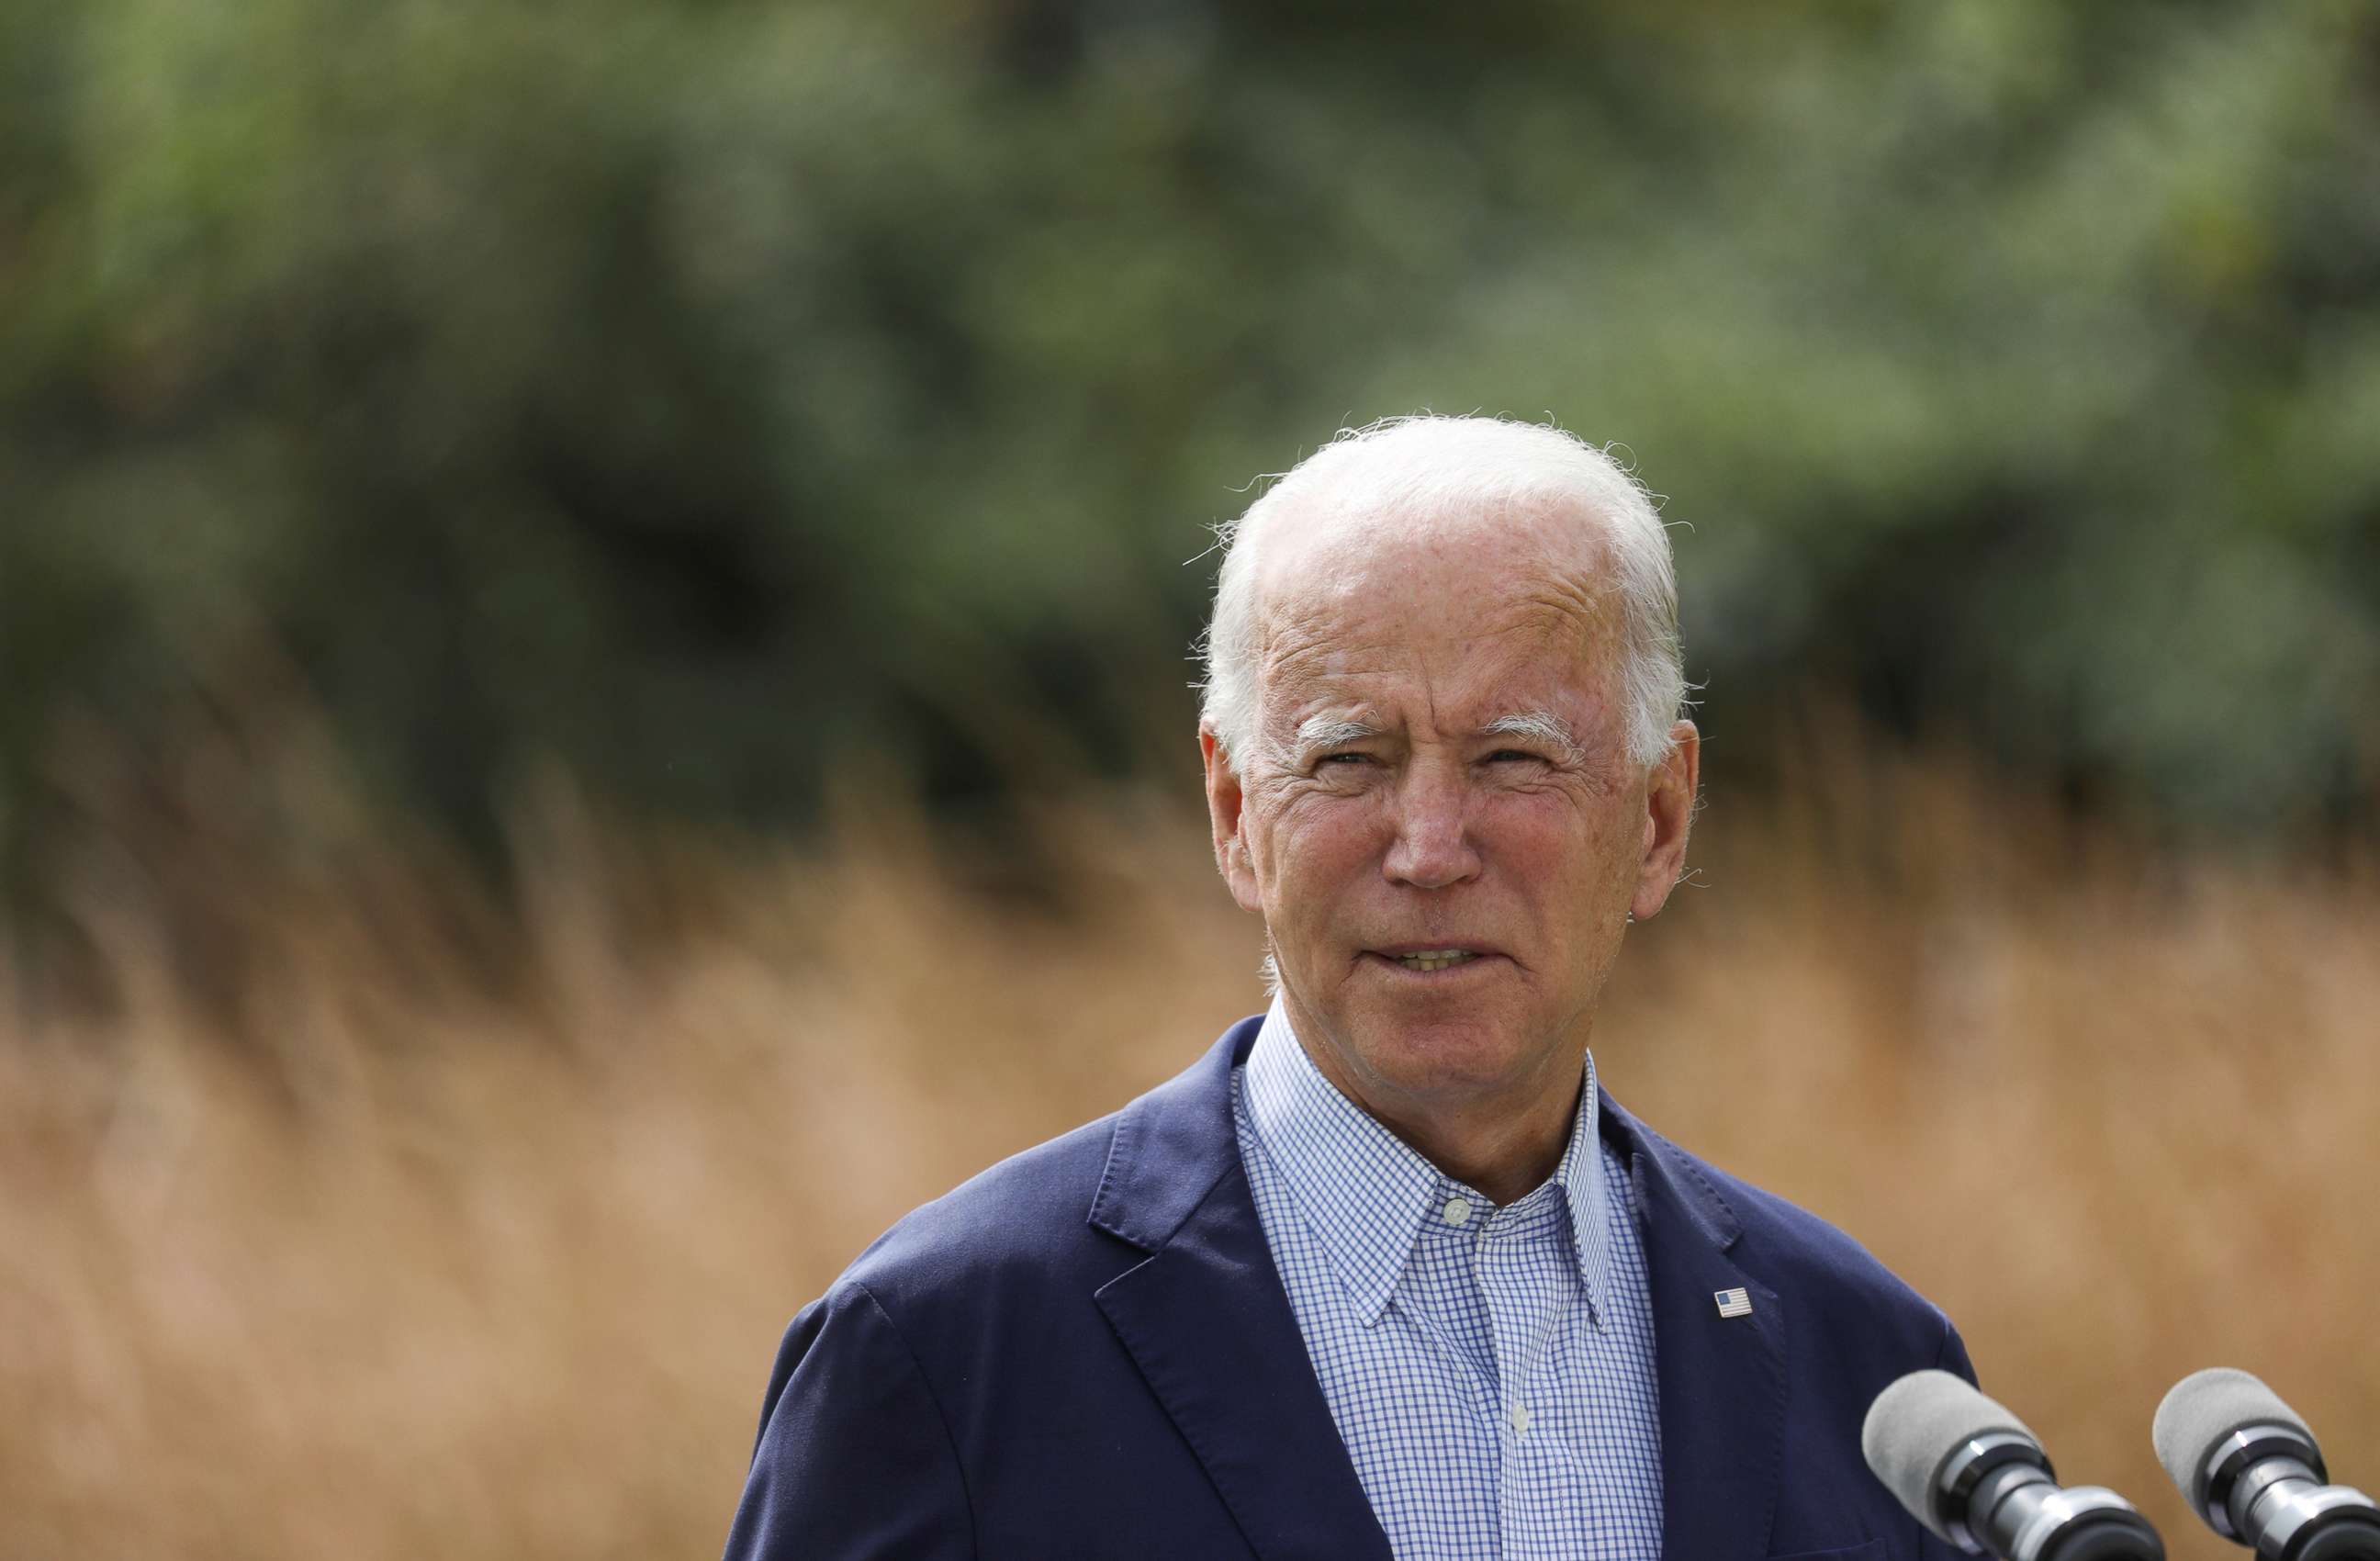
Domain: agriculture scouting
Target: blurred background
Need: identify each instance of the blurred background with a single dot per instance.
(595, 604)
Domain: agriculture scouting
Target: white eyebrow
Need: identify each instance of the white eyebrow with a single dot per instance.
(1538, 726)
(1329, 731)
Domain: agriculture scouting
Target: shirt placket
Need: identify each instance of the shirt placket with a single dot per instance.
(1457, 1218)
(1523, 1295)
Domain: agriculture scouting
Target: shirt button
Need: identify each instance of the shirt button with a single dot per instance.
(1519, 1420)
(1456, 1211)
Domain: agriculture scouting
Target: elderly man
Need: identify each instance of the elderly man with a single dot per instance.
(1384, 1274)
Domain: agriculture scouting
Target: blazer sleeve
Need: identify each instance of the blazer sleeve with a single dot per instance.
(1952, 1356)
(855, 1459)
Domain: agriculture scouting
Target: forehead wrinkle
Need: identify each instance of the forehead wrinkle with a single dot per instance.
(1567, 605)
(1307, 657)
(1361, 636)
(1317, 680)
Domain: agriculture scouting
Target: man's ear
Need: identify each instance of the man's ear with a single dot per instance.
(1669, 794)
(1226, 816)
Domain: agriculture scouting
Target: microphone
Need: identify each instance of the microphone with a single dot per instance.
(1970, 1471)
(2247, 1465)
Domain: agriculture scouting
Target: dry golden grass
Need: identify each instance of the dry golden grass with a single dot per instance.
(363, 1254)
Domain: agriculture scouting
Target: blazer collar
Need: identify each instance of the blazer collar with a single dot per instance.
(1207, 1321)
(1722, 1376)
(1172, 1146)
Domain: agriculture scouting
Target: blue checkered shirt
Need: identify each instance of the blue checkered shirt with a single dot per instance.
(1489, 1369)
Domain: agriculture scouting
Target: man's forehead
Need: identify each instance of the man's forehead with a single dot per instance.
(1346, 624)
(1533, 635)
(1344, 584)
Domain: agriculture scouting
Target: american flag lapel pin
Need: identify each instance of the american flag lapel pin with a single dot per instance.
(1733, 1303)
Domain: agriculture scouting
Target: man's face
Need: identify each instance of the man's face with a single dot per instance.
(1443, 766)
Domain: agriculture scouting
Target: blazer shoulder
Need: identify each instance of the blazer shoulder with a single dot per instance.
(1082, 1207)
(1029, 1215)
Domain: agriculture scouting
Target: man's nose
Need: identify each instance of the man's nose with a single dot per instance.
(1433, 847)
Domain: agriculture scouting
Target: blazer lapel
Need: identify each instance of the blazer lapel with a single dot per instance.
(1723, 1377)
(1207, 1321)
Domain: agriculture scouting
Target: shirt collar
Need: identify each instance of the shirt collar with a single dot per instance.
(1365, 1192)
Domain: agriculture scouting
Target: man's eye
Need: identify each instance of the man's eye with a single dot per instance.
(1504, 755)
(1328, 760)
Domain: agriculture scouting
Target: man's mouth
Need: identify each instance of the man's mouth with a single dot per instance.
(1435, 959)
(1430, 961)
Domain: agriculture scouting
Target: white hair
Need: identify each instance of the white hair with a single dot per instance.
(1426, 467)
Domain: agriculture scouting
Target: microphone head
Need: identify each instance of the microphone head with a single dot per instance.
(1914, 1428)
(2202, 1410)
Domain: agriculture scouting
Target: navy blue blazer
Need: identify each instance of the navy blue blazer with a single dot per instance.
(1085, 1351)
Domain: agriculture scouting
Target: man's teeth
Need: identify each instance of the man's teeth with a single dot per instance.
(1435, 959)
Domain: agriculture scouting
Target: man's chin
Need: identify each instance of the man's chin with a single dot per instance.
(1427, 1054)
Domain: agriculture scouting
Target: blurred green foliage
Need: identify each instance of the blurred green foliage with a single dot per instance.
(689, 390)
